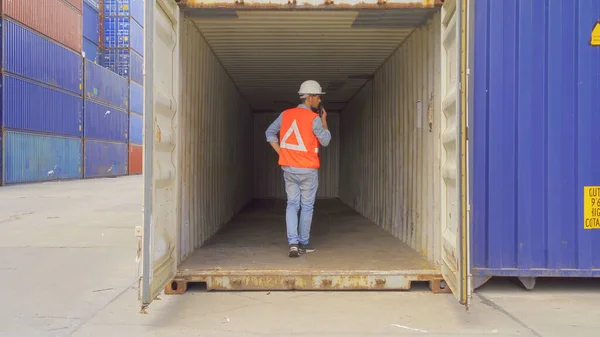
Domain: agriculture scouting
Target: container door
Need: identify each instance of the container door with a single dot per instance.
(159, 258)
(453, 151)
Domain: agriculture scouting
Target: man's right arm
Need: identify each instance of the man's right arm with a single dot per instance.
(321, 130)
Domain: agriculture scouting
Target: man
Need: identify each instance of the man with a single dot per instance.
(300, 132)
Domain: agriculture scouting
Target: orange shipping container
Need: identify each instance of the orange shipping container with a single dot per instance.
(54, 18)
(135, 159)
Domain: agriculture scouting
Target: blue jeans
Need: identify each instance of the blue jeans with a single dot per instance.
(301, 190)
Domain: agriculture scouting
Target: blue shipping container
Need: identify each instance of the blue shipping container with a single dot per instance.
(104, 86)
(92, 51)
(135, 129)
(105, 159)
(31, 157)
(31, 55)
(94, 3)
(91, 23)
(137, 11)
(32, 106)
(105, 123)
(124, 62)
(534, 137)
(133, 8)
(122, 32)
(136, 98)
(137, 67)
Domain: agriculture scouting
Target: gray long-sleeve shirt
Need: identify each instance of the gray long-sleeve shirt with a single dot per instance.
(324, 137)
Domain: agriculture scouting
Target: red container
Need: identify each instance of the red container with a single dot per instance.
(53, 18)
(135, 159)
(76, 3)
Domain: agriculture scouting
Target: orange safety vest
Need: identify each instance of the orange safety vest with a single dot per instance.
(298, 143)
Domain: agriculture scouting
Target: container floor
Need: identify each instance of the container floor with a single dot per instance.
(250, 252)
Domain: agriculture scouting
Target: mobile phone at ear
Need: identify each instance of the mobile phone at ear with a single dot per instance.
(320, 109)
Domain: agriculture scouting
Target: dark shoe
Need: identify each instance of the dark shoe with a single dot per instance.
(294, 251)
(307, 249)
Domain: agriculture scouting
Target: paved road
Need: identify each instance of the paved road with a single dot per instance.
(67, 267)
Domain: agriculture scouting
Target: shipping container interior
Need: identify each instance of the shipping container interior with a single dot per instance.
(379, 208)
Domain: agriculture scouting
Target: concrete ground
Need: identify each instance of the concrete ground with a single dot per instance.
(67, 268)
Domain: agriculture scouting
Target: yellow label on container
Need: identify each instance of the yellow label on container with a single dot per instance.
(595, 39)
(591, 207)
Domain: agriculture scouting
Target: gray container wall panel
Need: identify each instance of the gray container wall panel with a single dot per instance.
(536, 84)
(136, 98)
(136, 132)
(32, 106)
(104, 122)
(105, 86)
(390, 167)
(268, 176)
(105, 159)
(215, 153)
(31, 157)
(31, 55)
(91, 23)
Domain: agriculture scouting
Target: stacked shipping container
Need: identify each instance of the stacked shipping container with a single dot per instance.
(123, 42)
(105, 122)
(41, 106)
(91, 31)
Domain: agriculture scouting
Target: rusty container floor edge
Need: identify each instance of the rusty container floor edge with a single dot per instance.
(353, 253)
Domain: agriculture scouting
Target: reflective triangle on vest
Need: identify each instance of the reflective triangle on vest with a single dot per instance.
(292, 139)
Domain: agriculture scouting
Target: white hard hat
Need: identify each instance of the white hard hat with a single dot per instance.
(310, 87)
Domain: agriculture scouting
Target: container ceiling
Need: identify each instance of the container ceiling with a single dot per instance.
(269, 53)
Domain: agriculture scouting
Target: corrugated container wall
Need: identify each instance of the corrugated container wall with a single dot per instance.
(133, 8)
(92, 51)
(32, 106)
(76, 3)
(94, 3)
(136, 98)
(30, 157)
(390, 144)
(123, 32)
(31, 55)
(214, 186)
(534, 122)
(125, 62)
(105, 86)
(91, 24)
(52, 18)
(268, 177)
(105, 159)
(104, 122)
(136, 134)
(135, 159)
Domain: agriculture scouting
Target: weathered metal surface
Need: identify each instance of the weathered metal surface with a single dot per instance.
(215, 134)
(249, 253)
(390, 155)
(135, 159)
(53, 18)
(338, 48)
(294, 280)
(268, 176)
(186, 5)
(35, 157)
